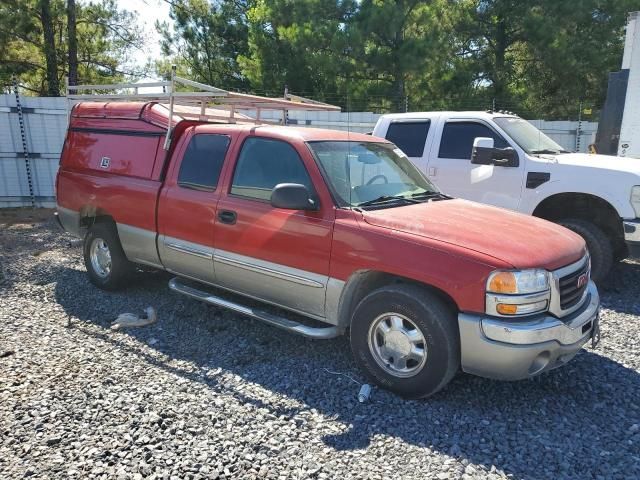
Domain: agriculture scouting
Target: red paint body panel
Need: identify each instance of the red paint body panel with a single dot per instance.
(131, 201)
(294, 238)
(452, 245)
(184, 213)
(125, 158)
(518, 240)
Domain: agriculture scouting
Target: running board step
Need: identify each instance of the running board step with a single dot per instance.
(292, 326)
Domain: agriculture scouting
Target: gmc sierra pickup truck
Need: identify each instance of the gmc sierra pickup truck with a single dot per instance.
(328, 231)
(503, 160)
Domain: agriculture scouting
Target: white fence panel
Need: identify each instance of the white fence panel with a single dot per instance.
(45, 121)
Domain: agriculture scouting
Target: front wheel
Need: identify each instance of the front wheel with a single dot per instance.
(406, 340)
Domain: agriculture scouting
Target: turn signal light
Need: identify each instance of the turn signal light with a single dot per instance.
(522, 308)
(503, 282)
(506, 309)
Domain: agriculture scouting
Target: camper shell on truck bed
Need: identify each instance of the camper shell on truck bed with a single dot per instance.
(338, 228)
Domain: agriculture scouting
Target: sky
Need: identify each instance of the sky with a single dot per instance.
(148, 12)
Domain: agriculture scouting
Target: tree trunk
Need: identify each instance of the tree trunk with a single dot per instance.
(53, 86)
(73, 42)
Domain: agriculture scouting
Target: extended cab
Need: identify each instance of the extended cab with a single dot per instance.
(503, 160)
(340, 229)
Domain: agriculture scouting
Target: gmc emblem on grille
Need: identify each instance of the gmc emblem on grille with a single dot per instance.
(583, 280)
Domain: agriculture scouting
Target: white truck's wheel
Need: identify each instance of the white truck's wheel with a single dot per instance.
(599, 246)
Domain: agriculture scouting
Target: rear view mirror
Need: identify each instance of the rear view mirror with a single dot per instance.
(484, 153)
(292, 196)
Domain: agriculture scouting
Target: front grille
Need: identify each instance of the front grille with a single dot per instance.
(571, 289)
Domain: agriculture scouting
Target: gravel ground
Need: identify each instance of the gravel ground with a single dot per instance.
(205, 393)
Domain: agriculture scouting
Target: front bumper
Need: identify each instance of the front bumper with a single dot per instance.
(632, 236)
(512, 350)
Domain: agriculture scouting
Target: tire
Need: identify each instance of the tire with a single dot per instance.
(598, 244)
(107, 266)
(419, 311)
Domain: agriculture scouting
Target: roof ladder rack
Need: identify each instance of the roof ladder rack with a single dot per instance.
(200, 104)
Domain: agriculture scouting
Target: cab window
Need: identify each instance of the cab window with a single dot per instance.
(264, 163)
(457, 139)
(202, 162)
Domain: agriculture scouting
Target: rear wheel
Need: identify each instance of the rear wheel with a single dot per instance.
(406, 340)
(598, 244)
(106, 263)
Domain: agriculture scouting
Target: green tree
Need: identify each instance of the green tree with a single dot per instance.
(570, 49)
(303, 45)
(34, 44)
(207, 40)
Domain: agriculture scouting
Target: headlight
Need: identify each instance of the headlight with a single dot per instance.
(515, 293)
(635, 199)
(523, 281)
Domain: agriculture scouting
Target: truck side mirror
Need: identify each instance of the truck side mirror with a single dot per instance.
(484, 153)
(292, 196)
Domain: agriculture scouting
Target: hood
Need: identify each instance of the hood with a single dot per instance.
(603, 162)
(518, 240)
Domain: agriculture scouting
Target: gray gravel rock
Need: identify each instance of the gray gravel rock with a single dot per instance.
(205, 393)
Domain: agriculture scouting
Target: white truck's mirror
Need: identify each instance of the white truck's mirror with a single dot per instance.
(484, 153)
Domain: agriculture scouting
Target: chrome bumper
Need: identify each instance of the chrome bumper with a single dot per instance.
(632, 236)
(511, 350)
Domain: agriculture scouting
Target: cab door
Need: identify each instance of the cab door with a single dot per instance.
(450, 166)
(276, 255)
(187, 205)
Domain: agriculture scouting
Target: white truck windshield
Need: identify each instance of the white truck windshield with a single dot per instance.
(528, 137)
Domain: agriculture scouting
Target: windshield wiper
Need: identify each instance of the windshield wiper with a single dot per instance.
(385, 199)
(429, 195)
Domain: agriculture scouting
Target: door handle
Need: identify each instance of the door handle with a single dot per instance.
(227, 216)
(432, 171)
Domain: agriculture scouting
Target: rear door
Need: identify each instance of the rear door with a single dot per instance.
(412, 136)
(187, 205)
(276, 255)
(450, 166)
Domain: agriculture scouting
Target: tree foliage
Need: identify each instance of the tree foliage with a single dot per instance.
(536, 57)
(206, 41)
(34, 43)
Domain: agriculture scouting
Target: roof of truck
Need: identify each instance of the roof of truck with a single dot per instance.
(486, 114)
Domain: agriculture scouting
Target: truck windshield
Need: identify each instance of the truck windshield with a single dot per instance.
(530, 139)
(367, 174)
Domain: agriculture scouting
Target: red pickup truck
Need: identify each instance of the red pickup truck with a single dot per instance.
(336, 228)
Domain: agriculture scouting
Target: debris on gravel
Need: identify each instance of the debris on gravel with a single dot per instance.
(204, 393)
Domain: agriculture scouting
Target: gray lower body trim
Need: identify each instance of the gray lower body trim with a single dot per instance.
(298, 290)
(187, 258)
(139, 245)
(335, 288)
(271, 269)
(70, 220)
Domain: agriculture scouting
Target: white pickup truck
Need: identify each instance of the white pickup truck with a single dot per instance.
(503, 160)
